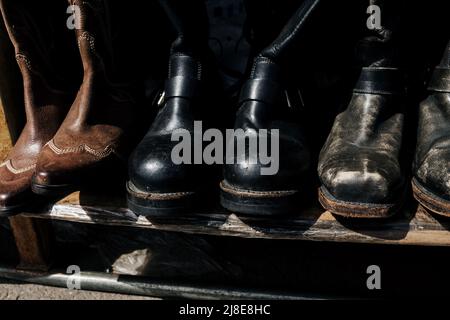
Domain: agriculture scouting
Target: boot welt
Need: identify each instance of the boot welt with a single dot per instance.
(354, 209)
(29, 201)
(148, 203)
(429, 200)
(10, 211)
(259, 203)
(53, 190)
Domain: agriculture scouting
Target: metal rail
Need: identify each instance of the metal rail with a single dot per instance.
(131, 285)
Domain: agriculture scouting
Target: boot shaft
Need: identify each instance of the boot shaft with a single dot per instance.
(45, 59)
(40, 39)
(445, 62)
(114, 39)
(93, 33)
(189, 21)
(440, 80)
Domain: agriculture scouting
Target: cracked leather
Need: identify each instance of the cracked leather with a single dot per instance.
(360, 161)
(431, 164)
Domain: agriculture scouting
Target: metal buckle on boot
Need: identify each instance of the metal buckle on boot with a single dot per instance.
(160, 99)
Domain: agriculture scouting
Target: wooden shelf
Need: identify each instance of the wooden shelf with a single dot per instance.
(413, 227)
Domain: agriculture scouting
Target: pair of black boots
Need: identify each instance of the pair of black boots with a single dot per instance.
(359, 167)
(157, 184)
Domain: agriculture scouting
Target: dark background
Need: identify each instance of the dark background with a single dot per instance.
(324, 69)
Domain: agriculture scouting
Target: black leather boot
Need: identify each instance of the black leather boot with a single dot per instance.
(431, 182)
(359, 165)
(254, 187)
(156, 183)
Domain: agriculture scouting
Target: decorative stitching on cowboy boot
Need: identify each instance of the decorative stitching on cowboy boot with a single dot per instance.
(90, 39)
(108, 150)
(8, 164)
(21, 57)
(121, 96)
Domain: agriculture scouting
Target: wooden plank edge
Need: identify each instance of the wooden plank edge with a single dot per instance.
(414, 234)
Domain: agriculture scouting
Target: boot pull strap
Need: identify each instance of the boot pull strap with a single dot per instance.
(262, 90)
(384, 81)
(440, 80)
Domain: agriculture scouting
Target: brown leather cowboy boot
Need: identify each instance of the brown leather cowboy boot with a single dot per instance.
(45, 106)
(94, 133)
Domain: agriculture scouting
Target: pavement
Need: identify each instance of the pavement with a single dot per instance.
(13, 290)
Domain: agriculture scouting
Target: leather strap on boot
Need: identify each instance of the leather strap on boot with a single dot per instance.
(384, 81)
(182, 87)
(440, 81)
(185, 74)
(262, 90)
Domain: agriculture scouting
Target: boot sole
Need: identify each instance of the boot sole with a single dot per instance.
(11, 211)
(51, 191)
(148, 204)
(259, 203)
(33, 202)
(28, 201)
(354, 209)
(429, 200)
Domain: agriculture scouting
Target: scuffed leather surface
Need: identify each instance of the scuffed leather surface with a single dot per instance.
(360, 160)
(432, 162)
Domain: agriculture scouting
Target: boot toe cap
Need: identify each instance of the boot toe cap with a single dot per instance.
(14, 189)
(53, 169)
(155, 172)
(290, 175)
(359, 186)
